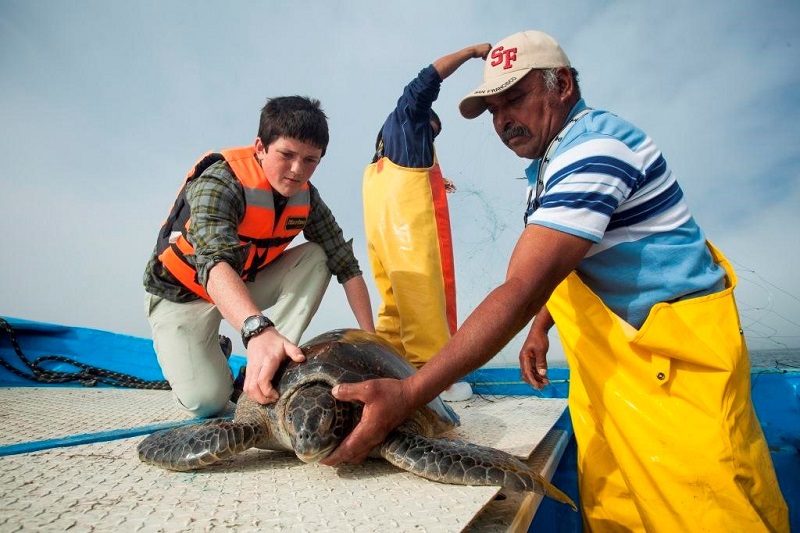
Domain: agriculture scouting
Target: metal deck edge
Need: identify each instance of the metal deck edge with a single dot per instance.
(516, 512)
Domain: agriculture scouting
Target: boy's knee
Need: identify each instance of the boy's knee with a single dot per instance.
(313, 262)
(314, 252)
(204, 402)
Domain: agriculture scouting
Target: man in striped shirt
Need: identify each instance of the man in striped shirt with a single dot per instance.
(667, 436)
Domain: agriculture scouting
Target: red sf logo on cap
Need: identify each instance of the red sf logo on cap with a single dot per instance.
(505, 56)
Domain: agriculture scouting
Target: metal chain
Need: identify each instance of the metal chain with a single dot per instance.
(88, 376)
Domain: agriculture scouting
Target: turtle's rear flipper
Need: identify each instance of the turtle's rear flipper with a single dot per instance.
(463, 463)
(198, 445)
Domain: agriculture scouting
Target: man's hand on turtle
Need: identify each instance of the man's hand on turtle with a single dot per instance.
(385, 408)
(265, 353)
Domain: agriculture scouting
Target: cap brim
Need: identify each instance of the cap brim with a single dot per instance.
(473, 104)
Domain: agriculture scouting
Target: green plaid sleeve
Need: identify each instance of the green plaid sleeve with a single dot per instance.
(216, 199)
(323, 229)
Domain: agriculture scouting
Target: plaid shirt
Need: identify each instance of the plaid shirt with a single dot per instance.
(216, 199)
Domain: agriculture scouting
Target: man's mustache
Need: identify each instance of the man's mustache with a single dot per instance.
(514, 131)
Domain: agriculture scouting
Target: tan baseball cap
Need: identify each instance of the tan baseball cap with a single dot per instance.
(508, 62)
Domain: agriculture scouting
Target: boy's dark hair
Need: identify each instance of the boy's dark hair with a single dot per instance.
(296, 117)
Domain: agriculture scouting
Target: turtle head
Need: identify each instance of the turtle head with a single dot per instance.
(316, 422)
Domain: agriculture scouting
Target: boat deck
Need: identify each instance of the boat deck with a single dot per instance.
(68, 462)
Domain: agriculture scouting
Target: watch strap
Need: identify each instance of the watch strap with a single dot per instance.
(263, 323)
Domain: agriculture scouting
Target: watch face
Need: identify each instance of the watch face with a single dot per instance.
(252, 323)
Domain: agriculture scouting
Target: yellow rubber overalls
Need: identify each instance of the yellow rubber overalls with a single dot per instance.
(668, 439)
(407, 226)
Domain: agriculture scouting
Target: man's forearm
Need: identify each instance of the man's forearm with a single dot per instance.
(448, 64)
(484, 333)
(543, 321)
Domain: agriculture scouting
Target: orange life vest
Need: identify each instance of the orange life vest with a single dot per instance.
(259, 228)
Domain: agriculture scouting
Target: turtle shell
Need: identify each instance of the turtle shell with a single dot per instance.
(350, 356)
(308, 420)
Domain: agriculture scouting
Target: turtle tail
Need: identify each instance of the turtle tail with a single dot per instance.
(464, 463)
(198, 445)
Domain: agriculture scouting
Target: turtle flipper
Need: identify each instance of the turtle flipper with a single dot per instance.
(463, 463)
(198, 445)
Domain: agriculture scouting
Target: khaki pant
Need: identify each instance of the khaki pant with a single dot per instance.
(186, 335)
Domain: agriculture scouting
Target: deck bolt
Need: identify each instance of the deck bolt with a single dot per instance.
(660, 376)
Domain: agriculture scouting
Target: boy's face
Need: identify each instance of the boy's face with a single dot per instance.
(288, 163)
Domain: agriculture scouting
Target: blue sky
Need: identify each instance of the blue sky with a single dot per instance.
(104, 105)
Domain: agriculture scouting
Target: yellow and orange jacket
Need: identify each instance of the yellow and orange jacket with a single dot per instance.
(258, 227)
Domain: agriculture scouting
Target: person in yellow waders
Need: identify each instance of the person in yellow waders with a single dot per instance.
(667, 436)
(407, 223)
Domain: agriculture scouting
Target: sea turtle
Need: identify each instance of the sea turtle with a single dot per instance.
(309, 421)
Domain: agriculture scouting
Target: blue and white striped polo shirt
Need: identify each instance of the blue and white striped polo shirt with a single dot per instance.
(608, 182)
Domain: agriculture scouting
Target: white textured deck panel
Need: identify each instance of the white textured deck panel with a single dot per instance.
(104, 487)
(41, 413)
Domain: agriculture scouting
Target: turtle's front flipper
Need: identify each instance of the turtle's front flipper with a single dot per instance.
(463, 463)
(198, 445)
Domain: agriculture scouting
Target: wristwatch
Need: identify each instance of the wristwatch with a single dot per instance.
(253, 325)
